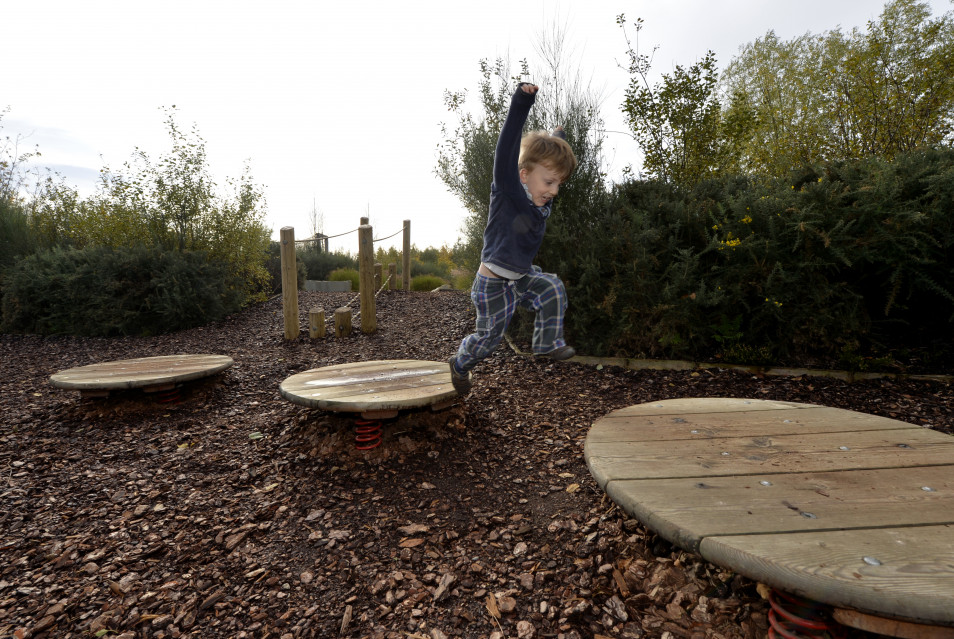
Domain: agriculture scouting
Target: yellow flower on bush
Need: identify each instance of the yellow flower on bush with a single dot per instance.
(729, 241)
(747, 219)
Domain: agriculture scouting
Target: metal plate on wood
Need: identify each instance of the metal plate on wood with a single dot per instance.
(141, 372)
(378, 385)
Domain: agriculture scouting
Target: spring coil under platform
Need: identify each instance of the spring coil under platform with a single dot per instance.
(367, 433)
(792, 617)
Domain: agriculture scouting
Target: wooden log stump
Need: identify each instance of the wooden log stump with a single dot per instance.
(316, 323)
(392, 276)
(342, 321)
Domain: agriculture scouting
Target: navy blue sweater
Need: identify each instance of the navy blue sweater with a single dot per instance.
(515, 227)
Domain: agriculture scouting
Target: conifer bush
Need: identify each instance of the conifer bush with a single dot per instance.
(346, 275)
(849, 257)
(101, 291)
(426, 282)
(319, 264)
(15, 237)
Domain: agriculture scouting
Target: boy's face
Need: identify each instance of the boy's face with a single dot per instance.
(543, 183)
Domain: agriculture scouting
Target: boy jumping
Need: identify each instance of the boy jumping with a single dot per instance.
(527, 176)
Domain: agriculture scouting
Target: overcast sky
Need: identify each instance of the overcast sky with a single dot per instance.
(336, 103)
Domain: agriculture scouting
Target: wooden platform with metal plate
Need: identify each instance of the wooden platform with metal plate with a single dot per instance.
(850, 510)
(375, 389)
(152, 374)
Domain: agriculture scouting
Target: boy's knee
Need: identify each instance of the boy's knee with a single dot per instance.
(489, 335)
(485, 326)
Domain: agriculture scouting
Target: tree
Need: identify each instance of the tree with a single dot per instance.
(787, 105)
(895, 89)
(679, 122)
(466, 156)
(316, 221)
(15, 236)
(833, 96)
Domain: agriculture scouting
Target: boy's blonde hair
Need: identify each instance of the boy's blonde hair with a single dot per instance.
(539, 147)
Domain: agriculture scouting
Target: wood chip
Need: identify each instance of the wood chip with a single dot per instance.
(346, 619)
(492, 606)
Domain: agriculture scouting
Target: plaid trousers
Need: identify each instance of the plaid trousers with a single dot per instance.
(496, 300)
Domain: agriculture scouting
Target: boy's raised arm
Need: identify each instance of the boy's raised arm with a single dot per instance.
(508, 145)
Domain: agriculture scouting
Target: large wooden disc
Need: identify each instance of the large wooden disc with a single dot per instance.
(366, 387)
(141, 372)
(845, 508)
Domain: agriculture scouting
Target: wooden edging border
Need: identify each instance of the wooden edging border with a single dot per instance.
(681, 365)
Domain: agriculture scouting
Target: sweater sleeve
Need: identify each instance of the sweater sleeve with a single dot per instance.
(508, 144)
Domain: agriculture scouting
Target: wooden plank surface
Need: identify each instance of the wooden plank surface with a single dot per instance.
(371, 386)
(692, 405)
(793, 495)
(685, 511)
(625, 425)
(141, 372)
(822, 452)
(904, 572)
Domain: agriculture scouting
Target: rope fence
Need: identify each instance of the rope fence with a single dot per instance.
(358, 313)
(398, 232)
(324, 237)
(368, 273)
(331, 237)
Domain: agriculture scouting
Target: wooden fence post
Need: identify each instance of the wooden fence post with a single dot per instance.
(369, 322)
(392, 276)
(289, 282)
(316, 323)
(342, 321)
(406, 279)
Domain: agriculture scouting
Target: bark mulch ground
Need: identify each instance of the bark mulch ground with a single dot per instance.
(234, 513)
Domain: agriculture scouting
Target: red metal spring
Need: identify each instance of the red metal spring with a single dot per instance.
(793, 617)
(367, 433)
(171, 396)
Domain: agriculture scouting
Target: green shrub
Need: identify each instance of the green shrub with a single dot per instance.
(633, 271)
(426, 283)
(345, 275)
(172, 203)
(103, 291)
(274, 267)
(851, 254)
(319, 264)
(429, 267)
(16, 240)
(463, 282)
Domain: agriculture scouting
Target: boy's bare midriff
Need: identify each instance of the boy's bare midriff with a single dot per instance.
(486, 272)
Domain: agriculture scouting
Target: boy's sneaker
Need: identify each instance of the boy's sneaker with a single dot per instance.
(461, 383)
(561, 353)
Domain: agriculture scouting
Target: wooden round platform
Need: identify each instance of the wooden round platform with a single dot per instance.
(375, 388)
(848, 509)
(148, 373)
